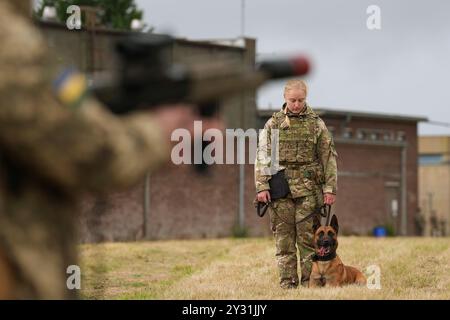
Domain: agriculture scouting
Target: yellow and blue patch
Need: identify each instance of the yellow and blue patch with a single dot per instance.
(70, 87)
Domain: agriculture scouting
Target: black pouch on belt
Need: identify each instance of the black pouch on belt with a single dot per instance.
(279, 188)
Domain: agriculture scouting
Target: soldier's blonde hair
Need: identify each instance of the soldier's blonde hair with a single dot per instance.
(296, 84)
(293, 84)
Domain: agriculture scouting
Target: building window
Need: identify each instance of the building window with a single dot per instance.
(425, 159)
(388, 136)
(401, 136)
(372, 134)
(361, 135)
(347, 133)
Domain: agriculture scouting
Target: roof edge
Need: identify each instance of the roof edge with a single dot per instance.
(357, 114)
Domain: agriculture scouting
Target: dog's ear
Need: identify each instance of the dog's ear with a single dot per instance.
(334, 223)
(316, 223)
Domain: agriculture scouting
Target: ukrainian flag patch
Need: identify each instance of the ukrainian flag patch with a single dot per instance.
(70, 87)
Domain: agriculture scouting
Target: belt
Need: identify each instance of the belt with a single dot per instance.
(297, 171)
(298, 166)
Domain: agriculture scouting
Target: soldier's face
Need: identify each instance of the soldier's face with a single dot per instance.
(295, 100)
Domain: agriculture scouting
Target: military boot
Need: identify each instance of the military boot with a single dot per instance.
(289, 284)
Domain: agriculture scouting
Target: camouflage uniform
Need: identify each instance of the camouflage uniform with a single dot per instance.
(49, 156)
(308, 155)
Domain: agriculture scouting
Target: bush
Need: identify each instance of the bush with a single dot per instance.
(239, 232)
(390, 230)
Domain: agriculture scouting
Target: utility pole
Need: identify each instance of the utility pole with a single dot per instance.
(242, 18)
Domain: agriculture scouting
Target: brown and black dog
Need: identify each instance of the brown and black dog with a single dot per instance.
(328, 269)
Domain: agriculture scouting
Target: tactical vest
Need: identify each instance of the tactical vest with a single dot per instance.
(297, 153)
(297, 143)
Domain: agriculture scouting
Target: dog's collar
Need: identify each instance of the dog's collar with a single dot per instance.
(327, 257)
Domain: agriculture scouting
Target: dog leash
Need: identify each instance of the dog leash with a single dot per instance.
(327, 209)
(322, 211)
(264, 206)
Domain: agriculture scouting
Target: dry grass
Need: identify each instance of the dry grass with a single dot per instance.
(411, 268)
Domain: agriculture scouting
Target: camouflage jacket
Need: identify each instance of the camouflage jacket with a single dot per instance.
(306, 152)
(50, 155)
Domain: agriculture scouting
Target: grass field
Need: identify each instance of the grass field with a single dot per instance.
(411, 268)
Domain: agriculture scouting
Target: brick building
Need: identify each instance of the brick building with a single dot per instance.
(377, 169)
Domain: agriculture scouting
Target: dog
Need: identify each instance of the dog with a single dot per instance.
(327, 269)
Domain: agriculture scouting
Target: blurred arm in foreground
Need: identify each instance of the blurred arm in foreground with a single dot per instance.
(50, 153)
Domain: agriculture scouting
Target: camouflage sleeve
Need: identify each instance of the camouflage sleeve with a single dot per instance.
(86, 148)
(263, 158)
(327, 155)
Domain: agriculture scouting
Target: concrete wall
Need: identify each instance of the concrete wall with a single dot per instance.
(434, 185)
(93, 51)
(434, 145)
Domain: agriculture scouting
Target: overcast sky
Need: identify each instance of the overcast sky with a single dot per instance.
(404, 68)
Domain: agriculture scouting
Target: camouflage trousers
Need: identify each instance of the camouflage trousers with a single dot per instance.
(289, 235)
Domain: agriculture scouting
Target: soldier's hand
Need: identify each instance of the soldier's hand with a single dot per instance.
(174, 117)
(264, 196)
(329, 198)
